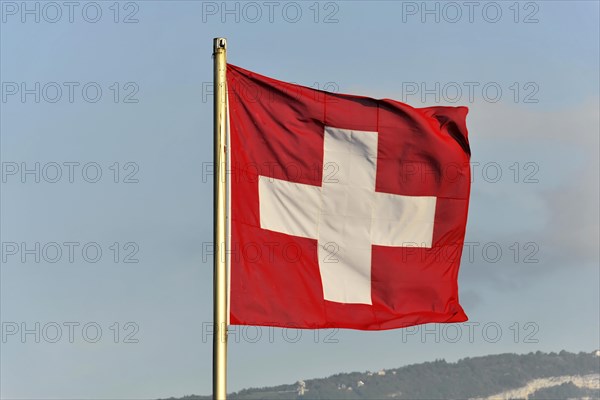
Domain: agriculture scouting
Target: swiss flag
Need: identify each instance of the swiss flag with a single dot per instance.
(345, 211)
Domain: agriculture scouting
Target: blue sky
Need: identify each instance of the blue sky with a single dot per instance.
(541, 134)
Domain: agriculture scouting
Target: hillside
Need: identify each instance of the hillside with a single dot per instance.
(504, 376)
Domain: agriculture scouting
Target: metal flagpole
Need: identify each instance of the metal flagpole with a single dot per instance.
(220, 268)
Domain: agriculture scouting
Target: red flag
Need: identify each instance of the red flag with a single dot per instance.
(345, 211)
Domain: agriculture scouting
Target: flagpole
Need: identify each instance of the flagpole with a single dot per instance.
(220, 268)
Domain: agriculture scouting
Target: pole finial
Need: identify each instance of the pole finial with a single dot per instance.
(219, 44)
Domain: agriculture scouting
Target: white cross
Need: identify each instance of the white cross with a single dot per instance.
(346, 215)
